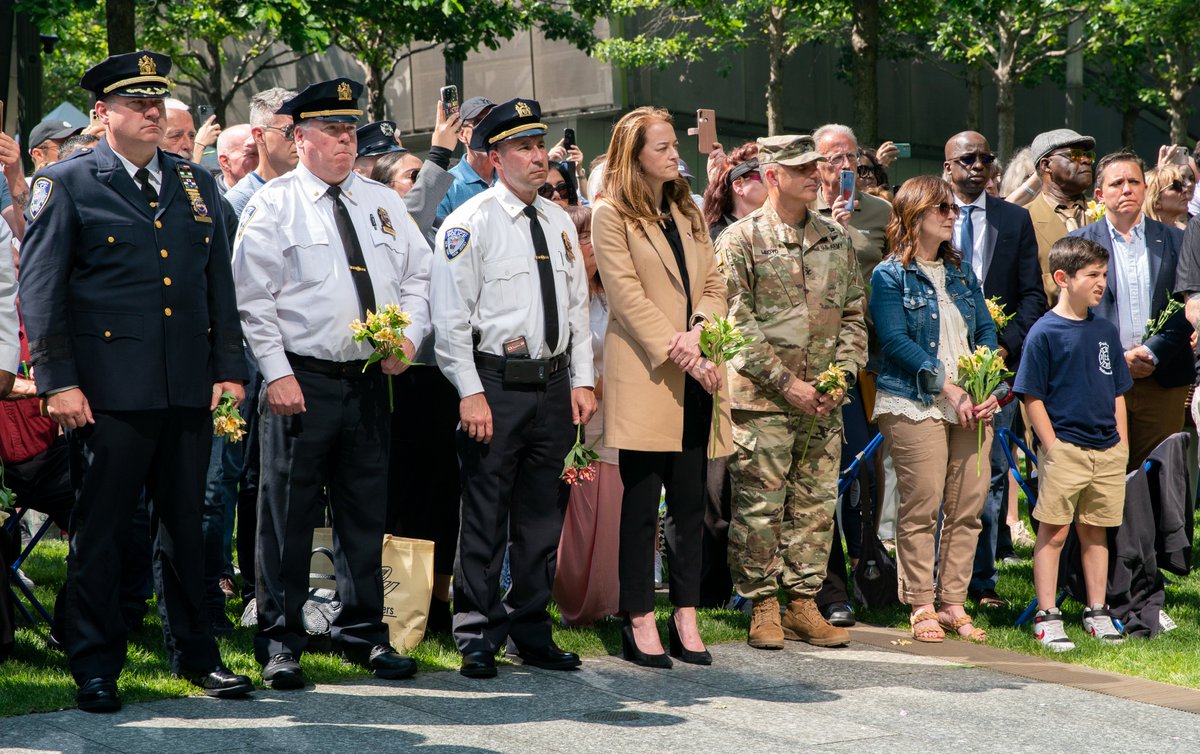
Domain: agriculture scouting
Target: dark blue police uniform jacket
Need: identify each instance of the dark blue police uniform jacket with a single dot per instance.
(134, 305)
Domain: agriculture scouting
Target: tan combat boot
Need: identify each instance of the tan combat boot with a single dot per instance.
(803, 622)
(765, 631)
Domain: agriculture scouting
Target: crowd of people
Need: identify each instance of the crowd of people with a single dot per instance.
(541, 295)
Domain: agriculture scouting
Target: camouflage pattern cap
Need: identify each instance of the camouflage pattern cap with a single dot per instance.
(791, 151)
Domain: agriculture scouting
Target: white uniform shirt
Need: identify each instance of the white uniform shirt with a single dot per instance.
(485, 280)
(294, 289)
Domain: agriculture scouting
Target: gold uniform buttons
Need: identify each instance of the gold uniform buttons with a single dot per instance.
(166, 281)
(111, 239)
(167, 311)
(206, 239)
(163, 253)
(108, 333)
(158, 223)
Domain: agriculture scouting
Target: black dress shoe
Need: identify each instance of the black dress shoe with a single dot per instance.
(839, 614)
(549, 657)
(283, 672)
(478, 665)
(440, 618)
(630, 651)
(390, 664)
(703, 657)
(98, 695)
(222, 683)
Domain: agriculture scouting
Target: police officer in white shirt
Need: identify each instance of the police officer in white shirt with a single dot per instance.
(510, 312)
(317, 248)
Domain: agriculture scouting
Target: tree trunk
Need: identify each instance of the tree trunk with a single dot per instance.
(974, 119)
(864, 40)
(1129, 118)
(376, 102)
(121, 18)
(1179, 115)
(1006, 115)
(216, 91)
(775, 43)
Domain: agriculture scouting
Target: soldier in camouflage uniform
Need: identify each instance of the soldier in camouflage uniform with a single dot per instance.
(795, 288)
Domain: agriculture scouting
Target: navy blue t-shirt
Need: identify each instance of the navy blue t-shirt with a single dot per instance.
(1077, 368)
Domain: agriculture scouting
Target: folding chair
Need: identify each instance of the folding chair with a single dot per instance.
(13, 525)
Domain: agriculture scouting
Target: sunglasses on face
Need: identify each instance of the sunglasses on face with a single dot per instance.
(753, 175)
(946, 208)
(547, 191)
(866, 171)
(288, 132)
(983, 158)
(1182, 187)
(1078, 155)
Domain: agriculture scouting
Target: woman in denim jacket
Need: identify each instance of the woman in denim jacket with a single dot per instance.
(929, 310)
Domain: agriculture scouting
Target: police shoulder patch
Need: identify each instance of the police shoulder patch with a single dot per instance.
(39, 195)
(456, 241)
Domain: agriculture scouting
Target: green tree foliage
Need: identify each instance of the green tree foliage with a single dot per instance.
(82, 41)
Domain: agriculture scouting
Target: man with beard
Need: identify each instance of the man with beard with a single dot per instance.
(1064, 159)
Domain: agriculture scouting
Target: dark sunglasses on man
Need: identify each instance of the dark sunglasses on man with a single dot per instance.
(1078, 155)
(547, 191)
(288, 132)
(983, 158)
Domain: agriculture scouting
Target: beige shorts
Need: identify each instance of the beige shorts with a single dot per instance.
(1081, 484)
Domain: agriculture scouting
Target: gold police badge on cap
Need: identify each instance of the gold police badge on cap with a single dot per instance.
(523, 110)
(344, 91)
(146, 66)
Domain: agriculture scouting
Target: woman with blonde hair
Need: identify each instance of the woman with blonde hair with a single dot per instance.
(1168, 190)
(655, 257)
(929, 310)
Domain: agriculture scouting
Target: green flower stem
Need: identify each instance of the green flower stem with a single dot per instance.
(811, 427)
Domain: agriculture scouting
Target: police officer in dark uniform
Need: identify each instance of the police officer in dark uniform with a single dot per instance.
(509, 300)
(128, 301)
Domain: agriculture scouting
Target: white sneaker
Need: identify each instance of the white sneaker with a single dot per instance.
(1020, 535)
(1048, 629)
(1165, 622)
(1098, 622)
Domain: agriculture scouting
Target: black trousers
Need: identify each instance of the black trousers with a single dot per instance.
(165, 452)
(247, 495)
(511, 489)
(716, 583)
(340, 442)
(423, 483)
(644, 475)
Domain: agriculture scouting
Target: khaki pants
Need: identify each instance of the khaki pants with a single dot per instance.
(935, 470)
(1154, 413)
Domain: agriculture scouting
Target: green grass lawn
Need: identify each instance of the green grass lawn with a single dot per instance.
(36, 679)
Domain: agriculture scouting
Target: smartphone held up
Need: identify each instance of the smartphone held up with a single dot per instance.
(846, 188)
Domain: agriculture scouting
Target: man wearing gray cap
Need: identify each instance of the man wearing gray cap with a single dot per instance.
(796, 292)
(1063, 159)
(473, 174)
(45, 139)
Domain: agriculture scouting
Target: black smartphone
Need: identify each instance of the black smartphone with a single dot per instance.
(203, 113)
(568, 139)
(449, 97)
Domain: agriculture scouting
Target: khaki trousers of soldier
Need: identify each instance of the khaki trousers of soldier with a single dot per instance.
(935, 471)
(1154, 413)
(782, 524)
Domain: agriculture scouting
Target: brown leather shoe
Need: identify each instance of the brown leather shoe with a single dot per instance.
(804, 622)
(765, 631)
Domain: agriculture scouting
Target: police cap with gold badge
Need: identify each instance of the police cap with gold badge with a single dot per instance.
(378, 138)
(131, 74)
(790, 151)
(335, 100)
(508, 120)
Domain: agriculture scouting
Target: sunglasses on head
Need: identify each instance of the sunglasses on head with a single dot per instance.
(967, 160)
(946, 208)
(1078, 155)
(547, 191)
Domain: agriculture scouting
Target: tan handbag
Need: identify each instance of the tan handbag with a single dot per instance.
(407, 589)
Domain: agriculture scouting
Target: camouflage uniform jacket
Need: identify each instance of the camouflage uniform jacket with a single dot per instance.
(798, 293)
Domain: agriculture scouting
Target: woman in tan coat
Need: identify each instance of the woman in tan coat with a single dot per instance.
(657, 264)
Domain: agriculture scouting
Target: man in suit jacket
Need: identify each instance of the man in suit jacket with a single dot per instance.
(1143, 258)
(128, 301)
(1063, 158)
(997, 240)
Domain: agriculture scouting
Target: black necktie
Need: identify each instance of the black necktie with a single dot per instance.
(546, 276)
(143, 179)
(354, 253)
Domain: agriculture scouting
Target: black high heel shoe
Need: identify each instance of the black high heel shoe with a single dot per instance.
(630, 651)
(678, 650)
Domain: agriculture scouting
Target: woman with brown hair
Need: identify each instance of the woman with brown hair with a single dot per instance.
(735, 191)
(656, 260)
(929, 310)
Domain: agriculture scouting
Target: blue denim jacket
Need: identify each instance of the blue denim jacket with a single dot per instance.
(904, 307)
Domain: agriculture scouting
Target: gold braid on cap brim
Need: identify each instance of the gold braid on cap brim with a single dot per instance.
(323, 113)
(138, 80)
(517, 130)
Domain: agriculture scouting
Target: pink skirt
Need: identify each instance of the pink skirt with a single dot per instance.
(586, 586)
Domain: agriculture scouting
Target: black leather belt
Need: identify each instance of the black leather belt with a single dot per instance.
(497, 363)
(327, 368)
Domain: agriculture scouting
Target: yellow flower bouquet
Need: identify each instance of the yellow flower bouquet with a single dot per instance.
(227, 420)
(980, 374)
(831, 382)
(384, 330)
(996, 310)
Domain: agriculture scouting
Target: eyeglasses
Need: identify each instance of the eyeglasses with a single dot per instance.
(866, 171)
(547, 191)
(1078, 155)
(845, 157)
(1183, 187)
(288, 132)
(946, 208)
(983, 158)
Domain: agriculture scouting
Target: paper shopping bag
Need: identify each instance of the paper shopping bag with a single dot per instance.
(407, 589)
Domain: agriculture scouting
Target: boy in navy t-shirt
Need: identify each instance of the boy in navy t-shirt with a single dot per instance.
(1072, 378)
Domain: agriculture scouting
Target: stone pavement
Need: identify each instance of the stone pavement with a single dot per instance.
(870, 697)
